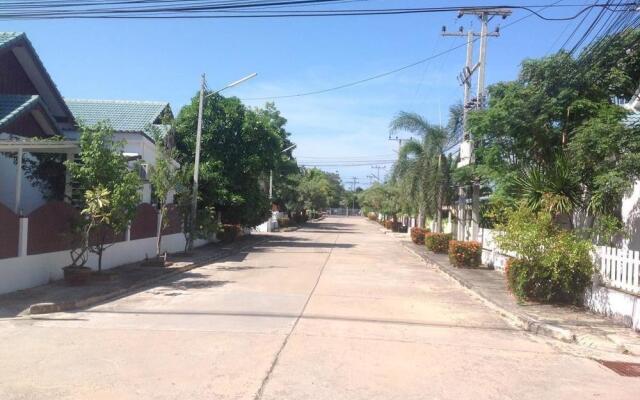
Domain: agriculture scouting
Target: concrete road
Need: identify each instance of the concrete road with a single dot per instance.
(337, 310)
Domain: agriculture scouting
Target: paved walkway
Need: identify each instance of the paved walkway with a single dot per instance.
(337, 310)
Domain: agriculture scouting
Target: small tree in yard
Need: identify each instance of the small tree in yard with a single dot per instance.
(109, 189)
(164, 178)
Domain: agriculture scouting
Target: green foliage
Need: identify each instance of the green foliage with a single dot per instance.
(318, 190)
(554, 138)
(109, 187)
(380, 198)
(465, 254)
(437, 242)
(164, 177)
(421, 173)
(239, 148)
(553, 265)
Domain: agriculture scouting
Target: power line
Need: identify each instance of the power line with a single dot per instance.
(387, 73)
(173, 9)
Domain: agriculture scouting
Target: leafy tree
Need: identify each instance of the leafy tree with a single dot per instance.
(109, 188)
(421, 171)
(559, 109)
(315, 190)
(164, 177)
(286, 172)
(239, 147)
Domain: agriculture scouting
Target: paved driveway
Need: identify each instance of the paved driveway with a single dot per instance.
(337, 310)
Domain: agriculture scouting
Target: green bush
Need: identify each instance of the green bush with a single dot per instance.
(437, 242)
(465, 254)
(552, 265)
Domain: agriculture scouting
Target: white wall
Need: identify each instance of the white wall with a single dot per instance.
(619, 305)
(29, 271)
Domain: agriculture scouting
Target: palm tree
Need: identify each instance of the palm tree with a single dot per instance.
(421, 166)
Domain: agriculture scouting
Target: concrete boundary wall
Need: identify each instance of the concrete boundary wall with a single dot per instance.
(33, 270)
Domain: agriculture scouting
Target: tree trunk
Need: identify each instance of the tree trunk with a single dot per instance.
(159, 241)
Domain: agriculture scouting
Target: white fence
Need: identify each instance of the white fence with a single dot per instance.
(619, 268)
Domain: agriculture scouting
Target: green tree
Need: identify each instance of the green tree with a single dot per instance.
(555, 132)
(110, 190)
(421, 172)
(239, 148)
(164, 177)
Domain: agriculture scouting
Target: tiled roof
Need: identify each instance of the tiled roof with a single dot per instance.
(124, 116)
(7, 37)
(11, 106)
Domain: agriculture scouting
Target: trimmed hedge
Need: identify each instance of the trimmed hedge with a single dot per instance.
(229, 233)
(417, 235)
(465, 254)
(437, 242)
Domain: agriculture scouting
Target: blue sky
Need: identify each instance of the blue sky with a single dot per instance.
(163, 60)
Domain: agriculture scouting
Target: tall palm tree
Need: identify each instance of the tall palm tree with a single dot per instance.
(419, 171)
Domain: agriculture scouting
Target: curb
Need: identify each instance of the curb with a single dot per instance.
(523, 322)
(48, 308)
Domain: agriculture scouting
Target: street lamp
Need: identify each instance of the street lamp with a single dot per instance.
(271, 172)
(196, 166)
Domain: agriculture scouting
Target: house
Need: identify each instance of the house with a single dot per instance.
(39, 131)
(133, 122)
(31, 108)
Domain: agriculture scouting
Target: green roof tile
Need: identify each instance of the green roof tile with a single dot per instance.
(7, 37)
(124, 116)
(11, 106)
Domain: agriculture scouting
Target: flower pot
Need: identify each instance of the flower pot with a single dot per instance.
(76, 276)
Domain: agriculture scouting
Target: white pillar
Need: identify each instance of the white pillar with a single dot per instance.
(16, 207)
(23, 236)
(67, 179)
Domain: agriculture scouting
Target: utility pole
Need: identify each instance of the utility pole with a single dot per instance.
(196, 165)
(466, 147)
(354, 181)
(397, 139)
(378, 168)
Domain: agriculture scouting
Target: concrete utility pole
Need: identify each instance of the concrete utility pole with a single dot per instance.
(354, 181)
(196, 165)
(397, 139)
(378, 168)
(466, 147)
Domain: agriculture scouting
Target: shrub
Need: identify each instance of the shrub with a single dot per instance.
(417, 235)
(229, 233)
(388, 224)
(465, 254)
(284, 222)
(552, 265)
(372, 216)
(437, 242)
